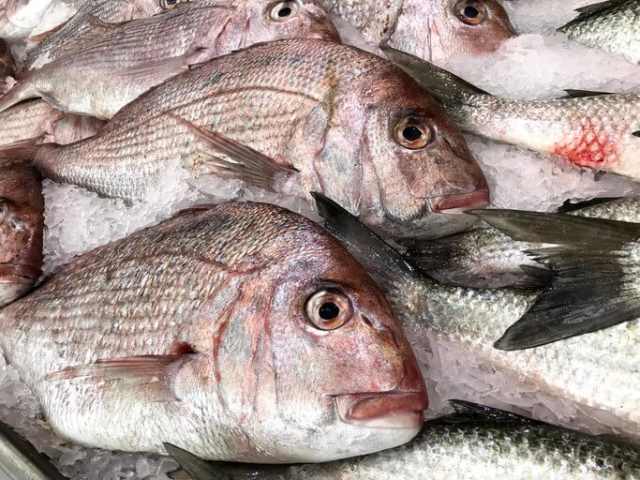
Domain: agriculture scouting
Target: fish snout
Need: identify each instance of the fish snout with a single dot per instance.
(458, 203)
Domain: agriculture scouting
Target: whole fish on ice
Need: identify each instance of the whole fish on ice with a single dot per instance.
(240, 332)
(476, 443)
(322, 115)
(21, 230)
(611, 25)
(588, 129)
(128, 59)
(594, 370)
(436, 30)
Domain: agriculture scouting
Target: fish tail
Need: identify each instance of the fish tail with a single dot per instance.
(22, 152)
(46, 159)
(595, 274)
(15, 93)
(444, 85)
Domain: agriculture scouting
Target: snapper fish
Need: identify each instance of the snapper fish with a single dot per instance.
(436, 30)
(241, 332)
(290, 116)
(21, 230)
(108, 72)
(595, 130)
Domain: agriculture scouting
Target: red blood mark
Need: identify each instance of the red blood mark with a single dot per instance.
(217, 341)
(590, 147)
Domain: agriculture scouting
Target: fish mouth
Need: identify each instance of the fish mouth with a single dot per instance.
(461, 202)
(389, 410)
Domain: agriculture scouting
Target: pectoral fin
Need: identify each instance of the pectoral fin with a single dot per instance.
(224, 157)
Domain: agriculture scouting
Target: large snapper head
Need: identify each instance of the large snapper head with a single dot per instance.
(257, 21)
(437, 30)
(313, 365)
(21, 226)
(416, 165)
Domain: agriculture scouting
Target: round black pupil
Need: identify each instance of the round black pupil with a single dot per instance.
(329, 311)
(171, 2)
(471, 12)
(284, 12)
(412, 133)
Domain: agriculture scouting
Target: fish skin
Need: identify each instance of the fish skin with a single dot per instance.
(429, 29)
(35, 121)
(587, 129)
(82, 27)
(218, 294)
(129, 59)
(462, 446)
(488, 258)
(21, 230)
(613, 27)
(597, 373)
(307, 104)
(20, 460)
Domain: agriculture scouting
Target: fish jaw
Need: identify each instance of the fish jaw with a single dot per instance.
(395, 409)
(453, 204)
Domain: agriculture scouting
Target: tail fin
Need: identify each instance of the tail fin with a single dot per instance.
(23, 90)
(445, 86)
(595, 282)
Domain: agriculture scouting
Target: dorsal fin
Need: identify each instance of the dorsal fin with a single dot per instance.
(571, 93)
(592, 10)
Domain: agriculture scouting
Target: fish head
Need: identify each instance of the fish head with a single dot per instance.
(438, 30)
(285, 19)
(326, 372)
(420, 164)
(21, 230)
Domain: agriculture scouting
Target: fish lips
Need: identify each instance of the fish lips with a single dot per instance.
(459, 203)
(388, 410)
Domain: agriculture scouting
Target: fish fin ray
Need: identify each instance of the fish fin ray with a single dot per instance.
(158, 70)
(591, 10)
(466, 412)
(228, 158)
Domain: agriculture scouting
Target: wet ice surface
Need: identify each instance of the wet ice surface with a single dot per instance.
(530, 66)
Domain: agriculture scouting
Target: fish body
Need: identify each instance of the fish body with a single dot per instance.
(242, 332)
(481, 445)
(92, 19)
(129, 59)
(595, 375)
(612, 25)
(435, 30)
(19, 460)
(348, 122)
(595, 130)
(21, 230)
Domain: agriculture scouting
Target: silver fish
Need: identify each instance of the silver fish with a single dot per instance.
(435, 30)
(129, 59)
(595, 130)
(323, 116)
(19, 460)
(488, 258)
(597, 374)
(476, 443)
(240, 332)
(611, 25)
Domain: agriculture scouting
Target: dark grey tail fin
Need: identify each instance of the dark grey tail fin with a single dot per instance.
(447, 87)
(595, 275)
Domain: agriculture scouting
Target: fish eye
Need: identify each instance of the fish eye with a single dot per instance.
(328, 309)
(412, 133)
(282, 11)
(471, 12)
(168, 4)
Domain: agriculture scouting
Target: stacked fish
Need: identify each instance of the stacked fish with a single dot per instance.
(249, 341)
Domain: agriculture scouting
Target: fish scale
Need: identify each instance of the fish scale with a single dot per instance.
(27, 121)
